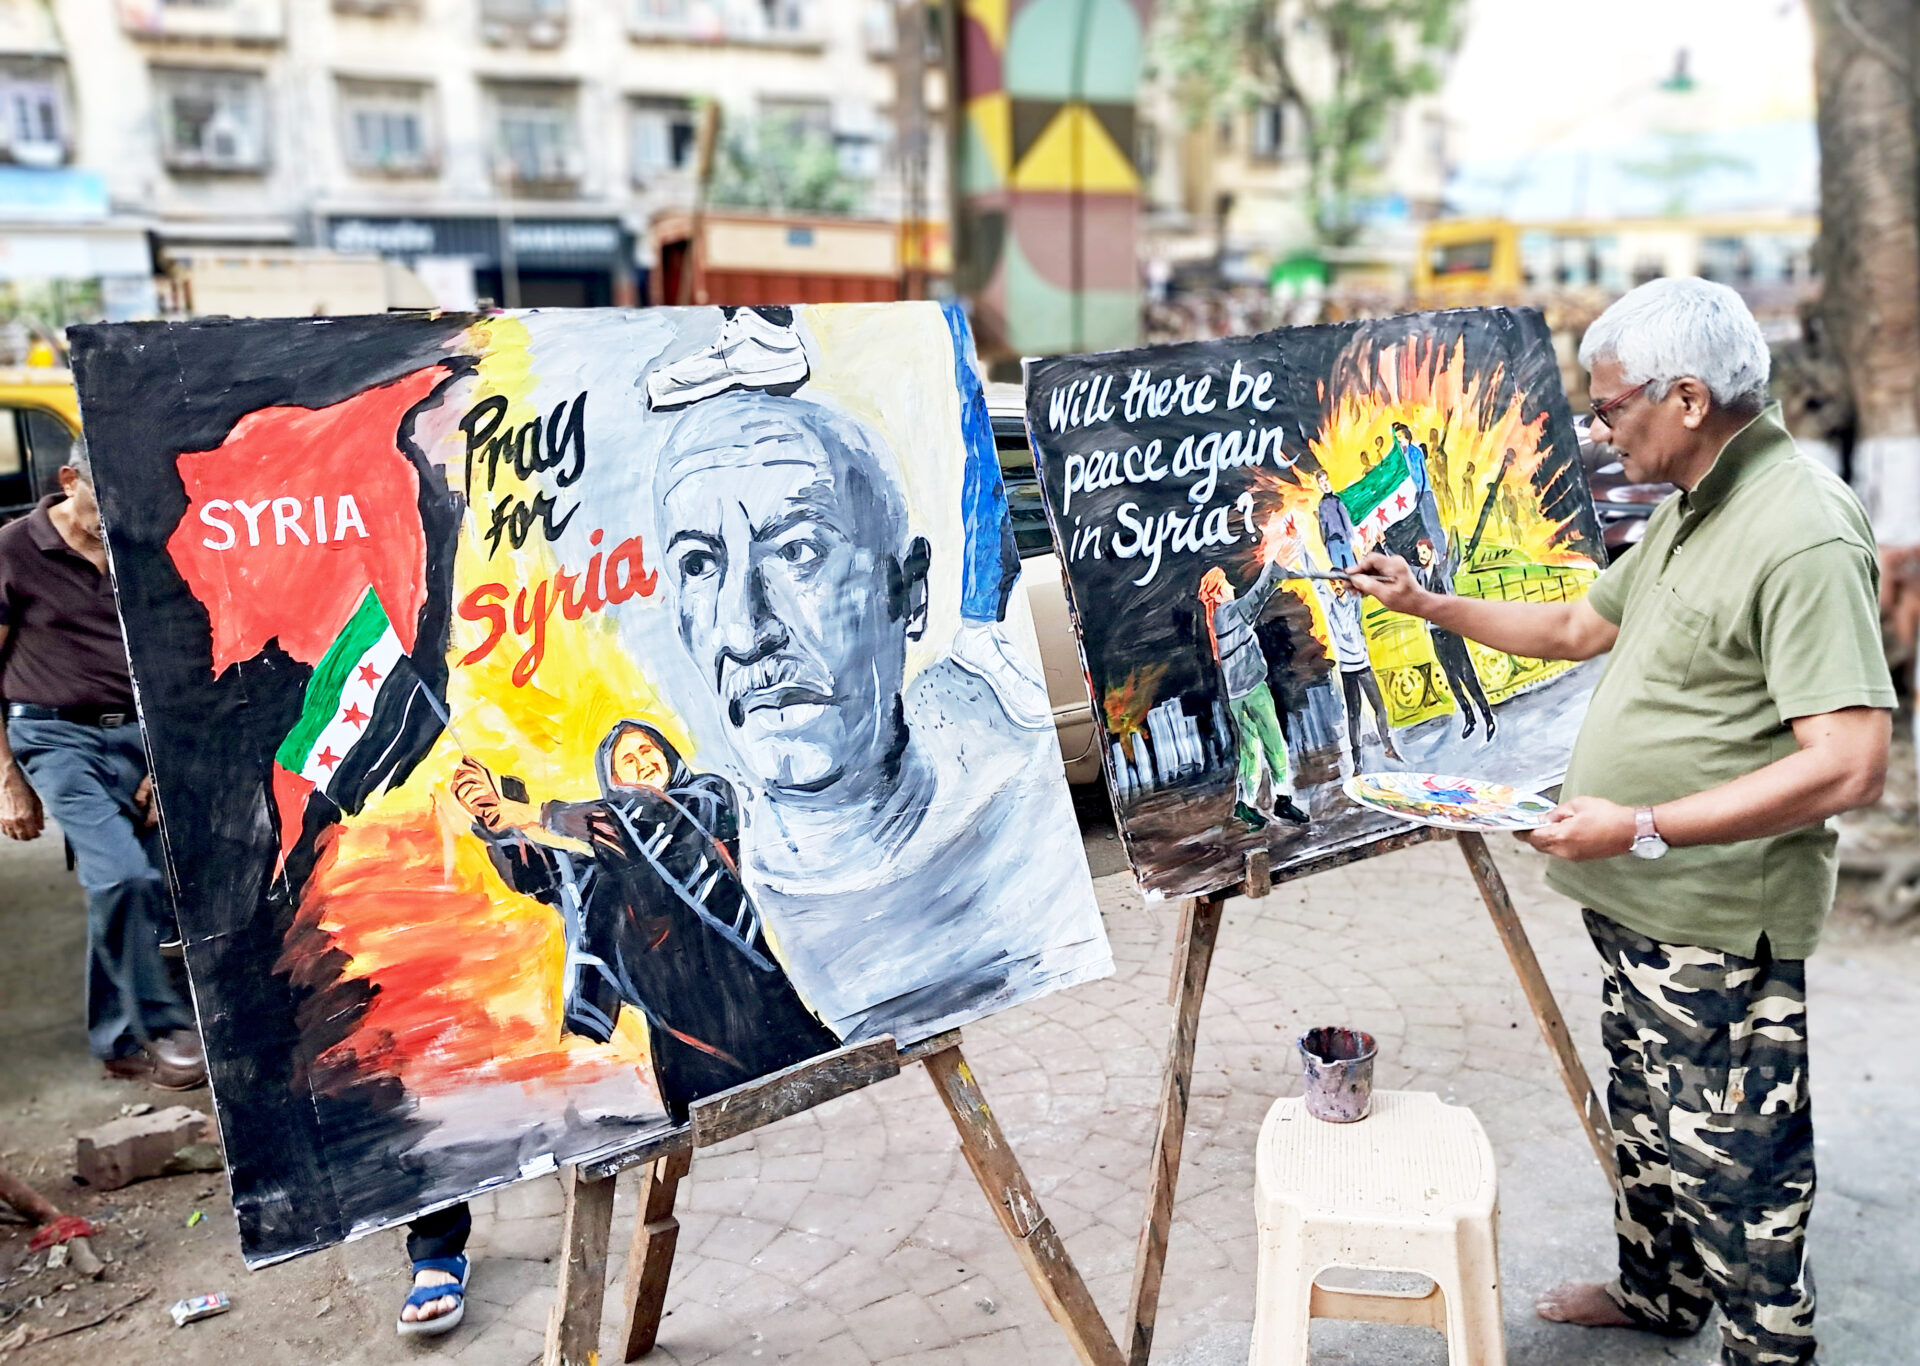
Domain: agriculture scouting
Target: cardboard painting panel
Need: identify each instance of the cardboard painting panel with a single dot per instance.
(1184, 481)
(561, 716)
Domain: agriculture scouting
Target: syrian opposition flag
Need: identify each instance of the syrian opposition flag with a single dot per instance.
(361, 694)
(1380, 498)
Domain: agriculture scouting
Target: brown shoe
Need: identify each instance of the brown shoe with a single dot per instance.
(155, 1070)
(181, 1047)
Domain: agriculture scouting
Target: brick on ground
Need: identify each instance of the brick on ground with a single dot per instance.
(137, 1147)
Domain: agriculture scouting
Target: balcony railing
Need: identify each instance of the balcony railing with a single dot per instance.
(787, 23)
(536, 23)
(239, 21)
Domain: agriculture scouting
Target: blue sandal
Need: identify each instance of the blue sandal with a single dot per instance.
(458, 1268)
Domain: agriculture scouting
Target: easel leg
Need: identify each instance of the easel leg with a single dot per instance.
(1546, 1012)
(1192, 957)
(1027, 1226)
(573, 1328)
(650, 1257)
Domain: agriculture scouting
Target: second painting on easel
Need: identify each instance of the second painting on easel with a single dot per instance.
(1207, 499)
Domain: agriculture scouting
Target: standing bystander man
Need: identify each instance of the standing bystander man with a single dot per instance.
(72, 748)
(1746, 701)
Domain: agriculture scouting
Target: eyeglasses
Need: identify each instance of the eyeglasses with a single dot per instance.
(1600, 410)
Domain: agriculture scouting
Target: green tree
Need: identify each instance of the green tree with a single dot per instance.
(784, 166)
(1342, 67)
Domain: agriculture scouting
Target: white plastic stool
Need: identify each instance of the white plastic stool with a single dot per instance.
(1411, 1188)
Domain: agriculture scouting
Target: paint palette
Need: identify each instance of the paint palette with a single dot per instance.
(1450, 803)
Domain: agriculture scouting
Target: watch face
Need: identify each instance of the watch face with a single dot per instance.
(1648, 846)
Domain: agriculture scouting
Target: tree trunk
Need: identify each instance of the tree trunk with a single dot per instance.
(1870, 243)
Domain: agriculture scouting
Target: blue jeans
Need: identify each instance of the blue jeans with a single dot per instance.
(86, 777)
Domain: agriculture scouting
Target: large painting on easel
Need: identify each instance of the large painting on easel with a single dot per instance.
(1206, 497)
(561, 717)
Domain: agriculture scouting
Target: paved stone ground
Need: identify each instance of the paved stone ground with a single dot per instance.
(855, 1234)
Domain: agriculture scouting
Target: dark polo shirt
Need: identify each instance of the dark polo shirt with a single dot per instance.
(63, 645)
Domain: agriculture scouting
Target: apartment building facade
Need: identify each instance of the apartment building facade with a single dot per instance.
(513, 150)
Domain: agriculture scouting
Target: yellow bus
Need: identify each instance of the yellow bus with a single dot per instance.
(1467, 261)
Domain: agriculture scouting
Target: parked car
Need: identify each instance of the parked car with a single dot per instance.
(39, 418)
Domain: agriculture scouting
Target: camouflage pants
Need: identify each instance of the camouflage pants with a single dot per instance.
(1713, 1133)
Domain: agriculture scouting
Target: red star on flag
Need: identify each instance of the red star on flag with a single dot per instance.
(1401, 502)
(354, 714)
(326, 758)
(369, 675)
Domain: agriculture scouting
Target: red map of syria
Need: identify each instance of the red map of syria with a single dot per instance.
(296, 514)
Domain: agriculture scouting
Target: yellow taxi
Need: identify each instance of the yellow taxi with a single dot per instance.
(39, 419)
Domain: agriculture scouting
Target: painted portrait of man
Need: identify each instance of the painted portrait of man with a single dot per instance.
(889, 825)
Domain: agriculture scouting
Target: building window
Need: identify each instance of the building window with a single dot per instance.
(33, 119)
(661, 16)
(389, 126)
(801, 118)
(1267, 133)
(664, 134)
(212, 120)
(882, 28)
(864, 156)
(1146, 150)
(783, 18)
(536, 140)
(865, 143)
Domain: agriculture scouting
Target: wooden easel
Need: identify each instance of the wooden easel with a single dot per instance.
(1193, 955)
(573, 1328)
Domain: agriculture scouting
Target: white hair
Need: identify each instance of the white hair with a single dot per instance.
(1668, 329)
(79, 460)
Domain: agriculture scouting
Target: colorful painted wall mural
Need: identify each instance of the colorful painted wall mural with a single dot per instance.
(1047, 186)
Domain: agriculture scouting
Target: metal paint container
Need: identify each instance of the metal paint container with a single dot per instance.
(1339, 1073)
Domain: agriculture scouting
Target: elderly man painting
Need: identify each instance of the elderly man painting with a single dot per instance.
(1745, 702)
(894, 833)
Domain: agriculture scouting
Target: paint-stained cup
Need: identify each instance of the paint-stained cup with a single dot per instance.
(1339, 1068)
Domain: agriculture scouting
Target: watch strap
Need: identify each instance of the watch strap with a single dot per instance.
(1643, 827)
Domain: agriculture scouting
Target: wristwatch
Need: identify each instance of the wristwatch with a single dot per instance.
(1646, 840)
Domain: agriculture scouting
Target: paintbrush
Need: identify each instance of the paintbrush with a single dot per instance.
(1336, 576)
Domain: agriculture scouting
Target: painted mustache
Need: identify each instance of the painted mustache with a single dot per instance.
(775, 681)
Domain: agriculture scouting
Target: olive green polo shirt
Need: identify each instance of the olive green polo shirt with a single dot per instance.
(1751, 601)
